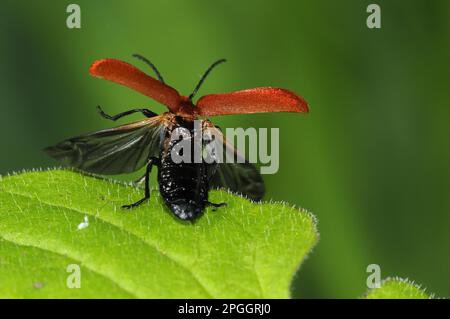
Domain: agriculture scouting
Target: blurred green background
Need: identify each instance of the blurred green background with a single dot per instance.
(371, 160)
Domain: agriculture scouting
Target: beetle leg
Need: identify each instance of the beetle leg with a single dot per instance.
(215, 205)
(151, 162)
(146, 112)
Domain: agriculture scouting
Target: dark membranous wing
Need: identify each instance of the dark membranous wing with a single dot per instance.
(240, 176)
(117, 150)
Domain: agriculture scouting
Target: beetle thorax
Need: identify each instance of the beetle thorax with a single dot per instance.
(186, 108)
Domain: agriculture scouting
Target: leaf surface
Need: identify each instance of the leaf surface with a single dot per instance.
(398, 288)
(243, 250)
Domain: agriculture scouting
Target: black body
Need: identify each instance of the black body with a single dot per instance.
(183, 186)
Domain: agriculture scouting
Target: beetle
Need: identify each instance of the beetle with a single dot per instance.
(184, 186)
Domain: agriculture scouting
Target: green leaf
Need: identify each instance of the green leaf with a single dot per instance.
(397, 288)
(243, 250)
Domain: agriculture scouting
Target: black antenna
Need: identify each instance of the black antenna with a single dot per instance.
(140, 57)
(199, 84)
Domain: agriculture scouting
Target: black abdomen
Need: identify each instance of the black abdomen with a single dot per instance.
(183, 186)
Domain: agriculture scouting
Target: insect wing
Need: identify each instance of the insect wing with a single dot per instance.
(125, 74)
(118, 150)
(239, 176)
(258, 100)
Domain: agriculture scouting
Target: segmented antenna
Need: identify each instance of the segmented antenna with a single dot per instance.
(140, 57)
(199, 84)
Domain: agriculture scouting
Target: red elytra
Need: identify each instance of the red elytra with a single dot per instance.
(257, 100)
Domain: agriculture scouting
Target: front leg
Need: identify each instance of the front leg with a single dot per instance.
(151, 162)
(146, 112)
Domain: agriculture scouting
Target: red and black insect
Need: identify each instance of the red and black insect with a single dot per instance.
(183, 186)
